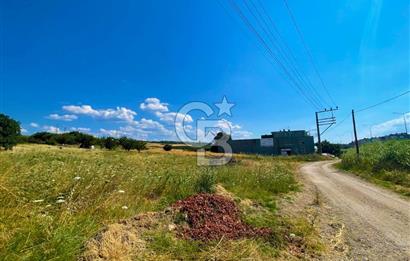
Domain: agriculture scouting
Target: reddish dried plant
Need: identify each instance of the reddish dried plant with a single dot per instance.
(211, 217)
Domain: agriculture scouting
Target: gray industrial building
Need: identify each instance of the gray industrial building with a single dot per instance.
(284, 142)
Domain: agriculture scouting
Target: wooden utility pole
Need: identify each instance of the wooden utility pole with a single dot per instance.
(356, 142)
(319, 144)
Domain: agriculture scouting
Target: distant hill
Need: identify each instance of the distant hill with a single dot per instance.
(396, 136)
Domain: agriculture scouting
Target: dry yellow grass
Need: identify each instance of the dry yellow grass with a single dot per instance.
(53, 200)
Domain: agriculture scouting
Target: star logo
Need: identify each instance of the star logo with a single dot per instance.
(224, 107)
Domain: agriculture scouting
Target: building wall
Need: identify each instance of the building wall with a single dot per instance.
(251, 146)
(295, 142)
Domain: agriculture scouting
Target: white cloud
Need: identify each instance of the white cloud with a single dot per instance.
(241, 134)
(154, 104)
(34, 125)
(141, 129)
(119, 113)
(80, 129)
(223, 123)
(23, 130)
(391, 126)
(65, 117)
(171, 117)
(112, 133)
(164, 127)
(127, 131)
(51, 129)
(147, 124)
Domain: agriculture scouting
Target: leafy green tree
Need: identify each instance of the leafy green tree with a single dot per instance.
(109, 143)
(43, 137)
(167, 147)
(86, 141)
(131, 144)
(219, 137)
(126, 143)
(9, 132)
(140, 145)
(331, 148)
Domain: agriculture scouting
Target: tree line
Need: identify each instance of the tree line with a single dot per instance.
(10, 135)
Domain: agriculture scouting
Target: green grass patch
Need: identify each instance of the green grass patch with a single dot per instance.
(384, 163)
(53, 200)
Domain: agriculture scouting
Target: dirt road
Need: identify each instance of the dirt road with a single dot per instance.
(377, 221)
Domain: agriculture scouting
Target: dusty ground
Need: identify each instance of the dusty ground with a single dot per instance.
(309, 203)
(377, 221)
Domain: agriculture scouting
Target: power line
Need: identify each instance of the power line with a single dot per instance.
(369, 107)
(383, 102)
(278, 52)
(262, 41)
(309, 53)
(282, 48)
(340, 123)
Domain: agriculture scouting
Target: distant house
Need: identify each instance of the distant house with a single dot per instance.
(284, 142)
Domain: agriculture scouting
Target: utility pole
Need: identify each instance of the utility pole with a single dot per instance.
(326, 121)
(404, 119)
(355, 134)
(319, 144)
(370, 130)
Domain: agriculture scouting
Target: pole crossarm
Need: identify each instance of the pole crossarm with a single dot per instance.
(327, 120)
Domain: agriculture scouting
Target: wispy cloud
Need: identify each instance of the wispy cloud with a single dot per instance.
(65, 117)
(119, 113)
(80, 129)
(171, 117)
(34, 125)
(391, 126)
(51, 129)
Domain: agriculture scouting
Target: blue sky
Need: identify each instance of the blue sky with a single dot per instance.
(92, 65)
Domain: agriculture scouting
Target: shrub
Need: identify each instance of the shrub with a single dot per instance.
(109, 143)
(331, 148)
(9, 132)
(205, 182)
(126, 143)
(140, 145)
(387, 161)
(131, 144)
(86, 141)
(167, 147)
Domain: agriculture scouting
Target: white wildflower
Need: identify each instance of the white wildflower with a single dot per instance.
(121, 191)
(77, 178)
(59, 201)
(38, 200)
(124, 207)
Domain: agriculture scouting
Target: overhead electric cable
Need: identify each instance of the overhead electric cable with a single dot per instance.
(284, 49)
(383, 102)
(307, 50)
(237, 9)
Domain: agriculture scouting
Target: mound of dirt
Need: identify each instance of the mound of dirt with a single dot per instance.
(211, 217)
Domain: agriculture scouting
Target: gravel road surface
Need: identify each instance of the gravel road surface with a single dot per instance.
(377, 220)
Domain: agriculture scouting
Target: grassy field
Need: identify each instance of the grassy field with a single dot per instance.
(53, 200)
(385, 163)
